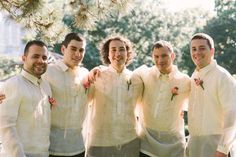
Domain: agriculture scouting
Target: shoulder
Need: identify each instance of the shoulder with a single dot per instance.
(223, 75)
(83, 70)
(142, 70)
(14, 81)
(52, 67)
(182, 75)
(13, 84)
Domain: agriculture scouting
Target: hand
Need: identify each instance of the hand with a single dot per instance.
(93, 74)
(2, 97)
(219, 154)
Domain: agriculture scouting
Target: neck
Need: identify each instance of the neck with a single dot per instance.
(118, 69)
(39, 77)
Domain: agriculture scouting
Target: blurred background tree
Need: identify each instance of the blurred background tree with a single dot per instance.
(143, 22)
(222, 28)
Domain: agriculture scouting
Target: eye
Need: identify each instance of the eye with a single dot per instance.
(164, 55)
(81, 50)
(113, 50)
(156, 57)
(202, 48)
(193, 49)
(45, 58)
(73, 49)
(122, 49)
(35, 56)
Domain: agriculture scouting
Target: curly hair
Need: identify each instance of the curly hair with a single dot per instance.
(104, 49)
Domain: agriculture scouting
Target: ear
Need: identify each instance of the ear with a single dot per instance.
(212, 52)
(172, 56)
(63, 49)
(23, 58)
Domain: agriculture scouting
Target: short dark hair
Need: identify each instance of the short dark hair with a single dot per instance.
(33, 42)
(162, 43)
(73, 36)
(208, 38)
(104, 48)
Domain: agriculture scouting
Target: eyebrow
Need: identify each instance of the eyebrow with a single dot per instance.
(73, 47)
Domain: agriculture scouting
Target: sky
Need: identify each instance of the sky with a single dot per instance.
(176, 5)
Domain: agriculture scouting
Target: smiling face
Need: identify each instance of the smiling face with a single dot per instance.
(163, 59)
(201, 53)
(73, 53)
(35, 60)
(117, 54)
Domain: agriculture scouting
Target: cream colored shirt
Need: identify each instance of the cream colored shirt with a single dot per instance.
(25, 116)
(113, 96)
(68, 115)
(212, 110)
(160, 113)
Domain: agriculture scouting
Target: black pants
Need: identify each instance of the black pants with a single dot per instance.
(143, 155)
(78, 155)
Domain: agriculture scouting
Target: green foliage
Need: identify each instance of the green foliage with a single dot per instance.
(222, 29)
(143, 26)
(9, 66)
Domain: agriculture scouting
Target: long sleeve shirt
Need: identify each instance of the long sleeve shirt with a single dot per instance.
(68, 115)
(25, 116)
(161, 103)
(212, 105)
(113, 98)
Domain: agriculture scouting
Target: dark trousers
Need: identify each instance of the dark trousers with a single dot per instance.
(143, 155)
(78, 155)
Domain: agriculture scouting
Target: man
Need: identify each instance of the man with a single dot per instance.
(211, 104)
(165, 94)
(113, 99)
(65, 78)
(25, 112)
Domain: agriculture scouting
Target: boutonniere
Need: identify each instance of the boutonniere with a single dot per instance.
(86, 85)
(174, 92)
(52, 102)
(129, 82)
(199, 82)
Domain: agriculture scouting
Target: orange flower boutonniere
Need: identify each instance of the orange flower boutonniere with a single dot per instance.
(86, 85)
(52, 102)
(174, 92)
(199, 82)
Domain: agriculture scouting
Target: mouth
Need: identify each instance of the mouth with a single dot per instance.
(40, 66)
(118, 59)
(76, 60)
(196, 58)
(162, 64)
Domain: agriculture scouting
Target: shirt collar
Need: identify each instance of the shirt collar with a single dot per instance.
(31, 77)
(65, 68)
(202, 72)
(110, 67)
(170, 75)
(62, 65)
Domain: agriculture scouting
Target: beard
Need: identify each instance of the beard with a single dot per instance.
(38, 70)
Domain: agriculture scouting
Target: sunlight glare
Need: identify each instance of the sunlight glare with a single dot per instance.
(177, 5)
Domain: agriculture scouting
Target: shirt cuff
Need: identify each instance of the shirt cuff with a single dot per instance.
(223, 149)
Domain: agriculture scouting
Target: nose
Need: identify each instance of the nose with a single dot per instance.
(78, 54)
(118, 53)
(159, 60)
